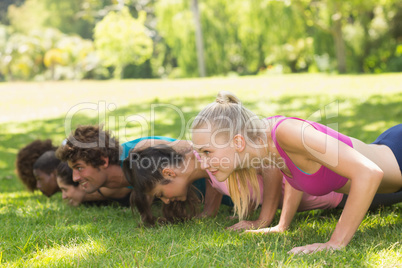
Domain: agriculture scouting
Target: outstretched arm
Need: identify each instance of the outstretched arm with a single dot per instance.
(291, 202)
(95, 196)
(310, 149)
(272, 180)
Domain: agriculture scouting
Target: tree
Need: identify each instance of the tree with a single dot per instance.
(199, 39)
(328, 16)
(120, 40)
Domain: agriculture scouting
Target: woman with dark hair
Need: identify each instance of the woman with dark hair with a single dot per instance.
(70, 189)
(145, 177)
(26, 158)
(192, 186)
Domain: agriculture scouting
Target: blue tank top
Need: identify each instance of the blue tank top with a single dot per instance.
(127, 146)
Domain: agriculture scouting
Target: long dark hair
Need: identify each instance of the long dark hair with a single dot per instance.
(143, 170)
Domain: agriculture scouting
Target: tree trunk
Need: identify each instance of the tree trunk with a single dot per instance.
(118, 72)
(198, 39)
(340, 50)
(340, 47)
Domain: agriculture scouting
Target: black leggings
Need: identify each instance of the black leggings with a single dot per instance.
(379, 200)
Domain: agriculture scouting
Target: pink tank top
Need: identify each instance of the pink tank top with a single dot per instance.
(308, 202)
(324, 180)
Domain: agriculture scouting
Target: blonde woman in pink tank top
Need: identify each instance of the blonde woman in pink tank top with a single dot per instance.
(233, 141)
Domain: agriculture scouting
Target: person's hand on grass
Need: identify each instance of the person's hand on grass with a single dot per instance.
(275, 229)
(202, 215)
(246, 225)
(308, 249)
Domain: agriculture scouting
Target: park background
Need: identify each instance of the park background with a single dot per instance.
(134, 66)
(100, 39)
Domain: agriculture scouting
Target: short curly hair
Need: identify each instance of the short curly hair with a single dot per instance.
(90, 143)
(26, 158)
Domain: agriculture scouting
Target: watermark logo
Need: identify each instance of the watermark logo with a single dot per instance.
(254, 129)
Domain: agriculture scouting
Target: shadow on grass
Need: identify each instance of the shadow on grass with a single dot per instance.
(94, 234)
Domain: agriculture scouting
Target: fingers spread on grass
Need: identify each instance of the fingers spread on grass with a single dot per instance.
(309, 249)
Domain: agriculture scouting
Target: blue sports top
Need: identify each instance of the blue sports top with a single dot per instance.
(127, 146)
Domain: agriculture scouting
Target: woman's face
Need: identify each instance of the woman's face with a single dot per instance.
(73, 194)
(175, 190)
(217, 153)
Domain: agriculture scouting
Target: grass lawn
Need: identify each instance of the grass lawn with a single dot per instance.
(36, 231)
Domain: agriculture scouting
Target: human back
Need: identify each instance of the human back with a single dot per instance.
(383, 157)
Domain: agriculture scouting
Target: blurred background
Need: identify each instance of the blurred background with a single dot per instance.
(105, 39)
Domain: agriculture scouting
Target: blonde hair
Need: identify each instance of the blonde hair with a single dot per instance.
(243, 190)
(227, 113)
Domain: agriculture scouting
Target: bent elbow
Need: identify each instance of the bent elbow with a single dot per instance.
(380, 174)
(376, 175)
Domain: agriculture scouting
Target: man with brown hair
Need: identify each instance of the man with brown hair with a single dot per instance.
(93, 155)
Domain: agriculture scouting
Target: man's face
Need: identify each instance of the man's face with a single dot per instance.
(90, 178)
(46, 183)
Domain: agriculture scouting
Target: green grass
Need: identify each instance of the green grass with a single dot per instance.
(36, 231)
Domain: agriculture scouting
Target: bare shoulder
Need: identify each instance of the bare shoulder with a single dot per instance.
(289, 134)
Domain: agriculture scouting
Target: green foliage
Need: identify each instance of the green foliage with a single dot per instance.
(120, 40)
(34, 12)
(366, 29)
(176, 26)
(62, 15)
(46, 54)
(240, 37)
(22, 57)
(4, 4)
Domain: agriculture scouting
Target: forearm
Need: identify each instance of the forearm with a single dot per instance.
(95, 196)
(213, 200)
(291, 202)
(359, 200)
(272, 192)
(115, 193)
